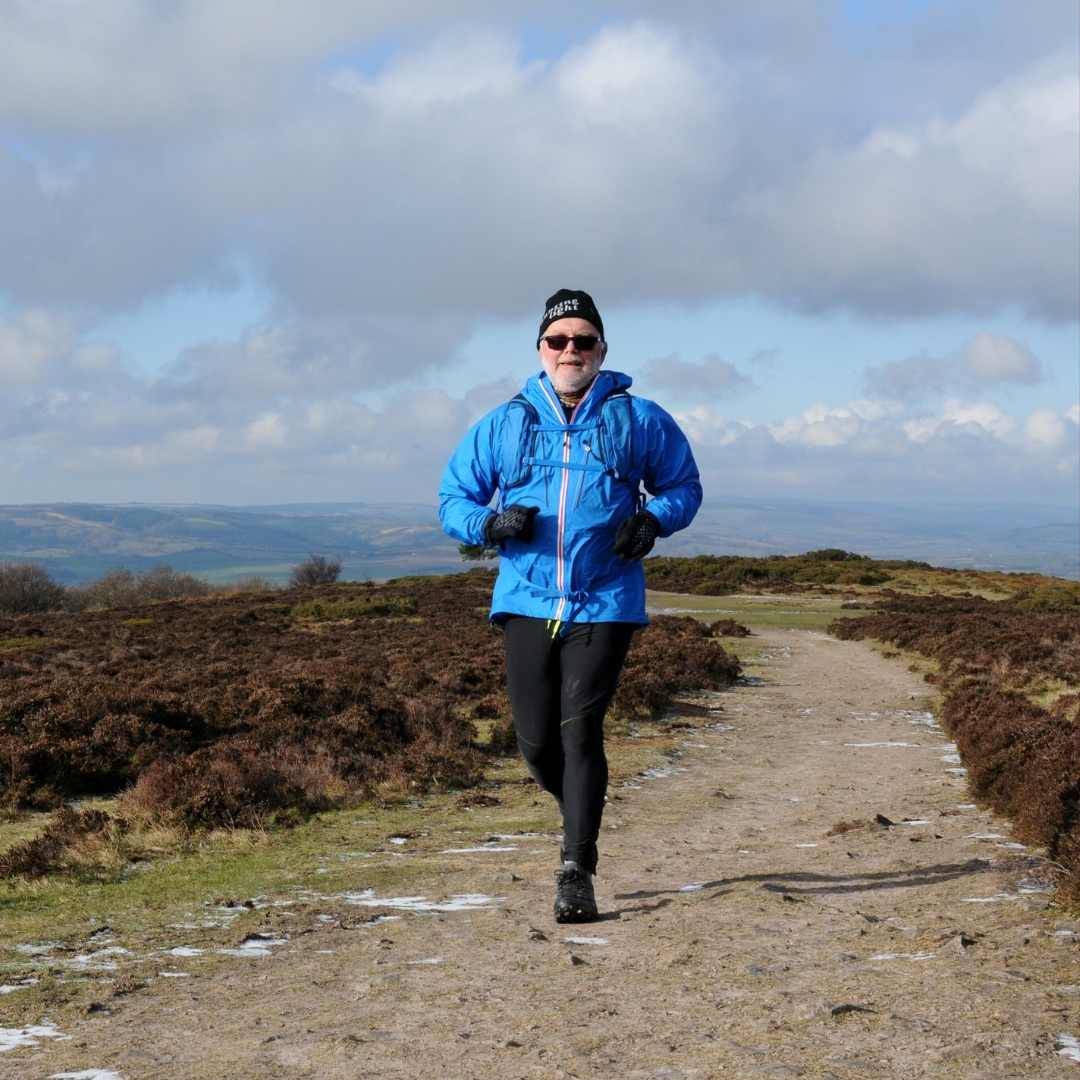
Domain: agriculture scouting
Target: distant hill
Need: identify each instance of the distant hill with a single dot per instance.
(78, 542)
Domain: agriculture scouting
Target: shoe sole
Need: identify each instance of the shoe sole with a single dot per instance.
(575, 915)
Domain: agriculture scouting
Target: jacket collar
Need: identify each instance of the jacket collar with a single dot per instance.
(541, 393)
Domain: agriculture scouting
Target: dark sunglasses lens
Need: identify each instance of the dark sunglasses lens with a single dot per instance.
(582, 342)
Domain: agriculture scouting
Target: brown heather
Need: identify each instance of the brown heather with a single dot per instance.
(257, 709)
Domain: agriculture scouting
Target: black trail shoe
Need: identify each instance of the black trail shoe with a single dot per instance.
(575, 900)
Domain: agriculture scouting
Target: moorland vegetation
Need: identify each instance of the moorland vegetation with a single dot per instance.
(257, 709)
(1009, 677)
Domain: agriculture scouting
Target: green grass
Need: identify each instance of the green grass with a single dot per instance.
(797, 611)
(25, 644)
(375, 606)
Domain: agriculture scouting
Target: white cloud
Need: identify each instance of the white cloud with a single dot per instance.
(1073, 414)
(1044, 429)
(704, 426)
(266, 431)
(986, 361)
(820, 425)
(991, 358)
(962, 207)
(435, 76)
(706, 155)
(983, 415)
(713, 377)
(30, 342)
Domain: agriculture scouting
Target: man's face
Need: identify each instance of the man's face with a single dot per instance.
(568, 369)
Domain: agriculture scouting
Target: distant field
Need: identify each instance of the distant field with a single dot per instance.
(792, 610)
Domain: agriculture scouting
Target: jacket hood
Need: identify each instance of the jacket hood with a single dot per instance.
(540, 392)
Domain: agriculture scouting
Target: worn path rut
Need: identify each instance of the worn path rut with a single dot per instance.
(743, 934)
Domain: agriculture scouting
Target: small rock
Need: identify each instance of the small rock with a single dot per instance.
(537, 935)
(847, 1008)
(576, 961)
(883, 821)
(960, 944)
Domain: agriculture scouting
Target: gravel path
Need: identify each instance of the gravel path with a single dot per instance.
(744, 933)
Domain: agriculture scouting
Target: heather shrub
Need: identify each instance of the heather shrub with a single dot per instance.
(315, 570)
(27, 587)
(672, 655)
(235, 711)
(220, 787)
(57, 845)
(122, 588)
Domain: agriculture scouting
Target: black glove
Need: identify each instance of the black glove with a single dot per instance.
(635, 537)
(514, 523)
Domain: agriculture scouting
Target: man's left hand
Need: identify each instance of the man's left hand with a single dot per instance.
(635, 537)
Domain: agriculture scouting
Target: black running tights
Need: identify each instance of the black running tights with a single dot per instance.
(559, 691)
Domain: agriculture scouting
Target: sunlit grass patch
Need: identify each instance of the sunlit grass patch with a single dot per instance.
(785, 610)
(363, 607)
(25, 644)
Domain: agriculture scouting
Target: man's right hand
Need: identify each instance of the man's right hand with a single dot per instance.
(514, 523)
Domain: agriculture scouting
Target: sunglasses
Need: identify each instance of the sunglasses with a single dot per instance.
(582, 342)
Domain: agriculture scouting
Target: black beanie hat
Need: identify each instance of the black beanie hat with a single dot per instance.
(569, 304)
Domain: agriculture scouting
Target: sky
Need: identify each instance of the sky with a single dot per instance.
(289, 253)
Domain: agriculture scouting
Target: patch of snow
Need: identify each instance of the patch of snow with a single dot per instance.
(432, 961)
(695, 887)
(175, 974)
(1068, 1047)
(22, 984)
(585, 940)
(97, 961)
(966, 806)
(42, 949)
(87, 1074)
(477, 850)
(1012, 846)
(806, 845)
(923, 719)
(957, 770)
(902, 956)
(985, 836)
(254, 946)
(951, 759)
(398, 840)
(997, 898)
(914, 821)
(884, 745)
(459, 902)
(14, 1038)
(183, 950)
(1031, 885)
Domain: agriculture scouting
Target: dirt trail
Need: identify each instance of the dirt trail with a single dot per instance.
(740, 939)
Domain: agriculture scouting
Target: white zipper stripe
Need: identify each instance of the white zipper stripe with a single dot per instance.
(559, 556)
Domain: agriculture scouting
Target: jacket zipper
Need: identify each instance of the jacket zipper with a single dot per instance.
(560, 558)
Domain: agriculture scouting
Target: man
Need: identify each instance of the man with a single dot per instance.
(568, 455)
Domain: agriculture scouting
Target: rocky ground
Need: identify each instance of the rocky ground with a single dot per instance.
(805, 891)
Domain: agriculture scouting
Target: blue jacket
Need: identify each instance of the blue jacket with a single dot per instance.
(569, 571)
